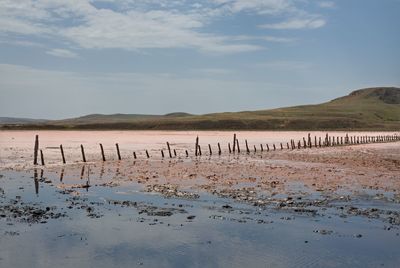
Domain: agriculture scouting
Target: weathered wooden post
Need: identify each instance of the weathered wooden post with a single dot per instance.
(134, 155)
(147, 154)
(309, 140)
(287, 145)
(162, 153)
(229, 147)
(169, 150)
(174, 152)
(118, 153)
(237, 144)
(234, 142)
(320, 142)
(315, 141)
(187, 153)
(219, 149)
(209, 149)
(267, 147)
(255, 149)
(274, 146)
(262, 148)
(304, 143)
(102, 152)
(196, 146)
(281, 146)
(199, 150)
(299, 145)
(35, 150)
(83, 153)
(41, 157)
(62, 154)
(247, 147)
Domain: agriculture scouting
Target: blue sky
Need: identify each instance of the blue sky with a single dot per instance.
(66, 58)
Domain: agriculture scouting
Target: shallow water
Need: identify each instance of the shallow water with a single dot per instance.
(326, 207)
(223, 233)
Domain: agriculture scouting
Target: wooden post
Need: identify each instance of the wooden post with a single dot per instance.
(147, 154)
(35, 150)
(309, 140)
(187, 153)
(267, 147)
(219, 149)
(41, 157)
(247, 147)
(315, 141)
(134, 155)
(209, 148)
(229, 147)
(118, 154)
(299, 145)
(162, 153)
(320, 142)
(199, 150)
(102, 152)
(196, 146)
(262, 149)
(255, 149)
(234, 142)
(281, 146)
(83, 153)
(174, 152)
(169, 150)
(62, 153)
(274, 147)
(287, 145)
(237, 144)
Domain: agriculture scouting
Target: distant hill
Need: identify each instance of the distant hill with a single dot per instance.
(369, 109)
(13, 120)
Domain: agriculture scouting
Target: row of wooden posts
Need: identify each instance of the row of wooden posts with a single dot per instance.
(292, 145)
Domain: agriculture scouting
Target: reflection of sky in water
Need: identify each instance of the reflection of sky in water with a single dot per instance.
(118, 240)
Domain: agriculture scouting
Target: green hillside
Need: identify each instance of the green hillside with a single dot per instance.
(371, 108)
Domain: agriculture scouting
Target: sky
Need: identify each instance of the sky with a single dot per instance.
(67, 58)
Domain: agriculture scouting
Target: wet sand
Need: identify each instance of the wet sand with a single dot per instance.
(319, 207)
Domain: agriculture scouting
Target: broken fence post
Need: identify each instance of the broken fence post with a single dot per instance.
(41, 157)
(83, 153)
(35, 150)
(62, 154)
(118, 153)
(102, 152)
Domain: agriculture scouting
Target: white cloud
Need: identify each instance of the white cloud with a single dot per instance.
(326, 4)
(62, 53)
(144, 24)
(308, 23)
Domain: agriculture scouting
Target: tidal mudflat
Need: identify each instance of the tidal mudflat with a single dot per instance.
(318, 207)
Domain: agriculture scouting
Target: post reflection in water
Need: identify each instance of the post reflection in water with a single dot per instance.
(88, 179)
(102, 170)
(61, 174)
(82, 171)
(36, 180)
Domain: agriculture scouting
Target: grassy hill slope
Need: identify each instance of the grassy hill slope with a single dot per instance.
(371, 108)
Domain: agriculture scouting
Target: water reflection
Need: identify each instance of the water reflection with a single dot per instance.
(62, 174)
(36, 180)
(82, 171)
